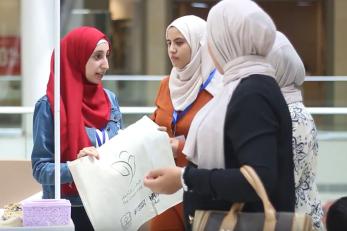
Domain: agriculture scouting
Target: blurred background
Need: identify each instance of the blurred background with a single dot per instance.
(317, 29)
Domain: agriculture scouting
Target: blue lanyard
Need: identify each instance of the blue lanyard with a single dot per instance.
(177, 115)
(103, 138)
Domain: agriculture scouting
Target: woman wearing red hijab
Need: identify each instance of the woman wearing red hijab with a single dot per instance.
(89, 114)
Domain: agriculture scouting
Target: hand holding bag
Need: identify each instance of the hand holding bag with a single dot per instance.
(235, 220)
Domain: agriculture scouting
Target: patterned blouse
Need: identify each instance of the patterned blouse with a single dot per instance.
(305, 148)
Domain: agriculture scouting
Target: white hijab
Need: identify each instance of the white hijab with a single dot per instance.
(184, 84)
(240, 35)
(290, 71)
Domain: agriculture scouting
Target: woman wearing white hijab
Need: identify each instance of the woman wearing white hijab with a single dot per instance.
(247, 123)
(192, 83)
(290, 75)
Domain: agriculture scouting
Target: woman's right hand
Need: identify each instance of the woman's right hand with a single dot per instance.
(164, 180)
(88, 151)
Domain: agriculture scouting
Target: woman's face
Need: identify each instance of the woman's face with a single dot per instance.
(97, 64)
(178, 48)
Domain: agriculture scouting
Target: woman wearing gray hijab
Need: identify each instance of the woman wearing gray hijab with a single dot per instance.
(290, 75)
(248, 123)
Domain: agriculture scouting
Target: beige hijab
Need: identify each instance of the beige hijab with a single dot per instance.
(240, 35)
(290, 71)
(184, 84)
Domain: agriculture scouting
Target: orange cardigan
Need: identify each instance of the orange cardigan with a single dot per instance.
(172, 219)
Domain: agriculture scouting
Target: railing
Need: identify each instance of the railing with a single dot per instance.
(159, 77)
(29, 110)
(148, 110)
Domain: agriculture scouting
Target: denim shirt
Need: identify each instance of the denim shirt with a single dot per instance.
(42, 156)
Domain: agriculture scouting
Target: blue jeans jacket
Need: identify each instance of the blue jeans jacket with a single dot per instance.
(42, 156)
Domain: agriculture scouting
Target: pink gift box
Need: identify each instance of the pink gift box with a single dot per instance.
(46, 212)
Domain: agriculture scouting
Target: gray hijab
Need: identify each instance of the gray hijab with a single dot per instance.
(240, 35)
(290, 71)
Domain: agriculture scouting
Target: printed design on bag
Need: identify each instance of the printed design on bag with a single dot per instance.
(132, 191)
(154, 197)
(125, 221)
(125, 165)
(139, 207)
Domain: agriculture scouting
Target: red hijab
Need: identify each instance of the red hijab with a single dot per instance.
(82, 104)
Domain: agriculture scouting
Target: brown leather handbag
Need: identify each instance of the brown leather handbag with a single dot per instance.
(235, 220)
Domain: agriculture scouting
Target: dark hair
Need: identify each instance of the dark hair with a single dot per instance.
(337, 215)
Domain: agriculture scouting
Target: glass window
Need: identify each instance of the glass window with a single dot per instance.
(10, 63)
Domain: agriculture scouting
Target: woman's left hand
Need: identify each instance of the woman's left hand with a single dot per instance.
(164, 180)
(88, 151)
(162, 128)
(174, 146)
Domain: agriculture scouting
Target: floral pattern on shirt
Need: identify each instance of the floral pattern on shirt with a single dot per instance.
(305, 148)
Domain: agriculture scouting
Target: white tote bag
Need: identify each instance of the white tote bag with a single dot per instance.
(112, 189)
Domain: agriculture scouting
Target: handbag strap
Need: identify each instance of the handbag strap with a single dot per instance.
(230, 220)
(254, 180)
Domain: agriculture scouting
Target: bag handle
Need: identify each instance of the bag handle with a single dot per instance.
(230, 220)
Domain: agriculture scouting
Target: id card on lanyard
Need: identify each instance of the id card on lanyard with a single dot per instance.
(177, 115)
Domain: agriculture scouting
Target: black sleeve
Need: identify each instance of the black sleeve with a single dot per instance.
(250, 138)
